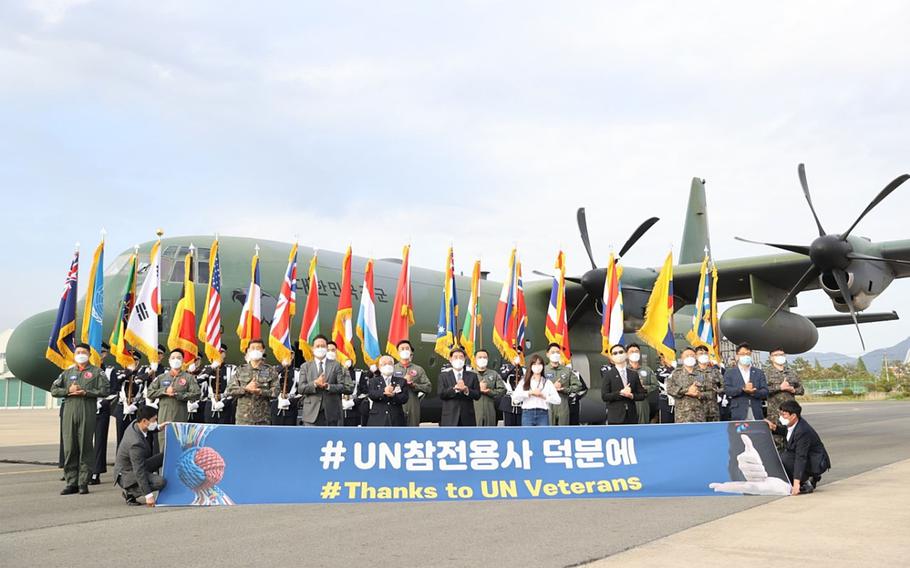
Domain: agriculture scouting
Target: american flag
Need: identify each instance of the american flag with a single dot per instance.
(210, 327)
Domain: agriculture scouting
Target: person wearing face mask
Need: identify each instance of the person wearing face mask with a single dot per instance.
(81, 385)
(536, 393)
(621, 389)
(349, 379)
(492, 388)
(322, 383)
(713, 379)
(746, 387)
(783, 385)
(103, 416)
(458, 389)
(804, 455)
(173, 389)
(218, 406)
(648, 382)
(665, 402)
(283, 408)
(389, 393)
(511, 373)
(135, 466)
(564, 381)
(687, 387)
(130, 389)
(361, 396)
(253, 386)
(419, 384)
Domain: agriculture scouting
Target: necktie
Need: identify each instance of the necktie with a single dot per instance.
(319, 364)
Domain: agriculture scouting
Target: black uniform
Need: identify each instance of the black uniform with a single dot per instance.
(197, 416)
(147, 375)
(103, 425)
(575, 401)
(666, 411)
(131, 390)
(287, 385)
(388, 411)
(214, 384)
(361, 395)
(352, 415)
(511, 415)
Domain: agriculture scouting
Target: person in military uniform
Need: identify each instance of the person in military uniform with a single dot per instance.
(81, 385)
(511, 374)
(253, 386)
(389, 392)
(665, 402)
(575, 399)
(713, 379)
(687, 386)
(217, 405)
(172, 390)
(783, 385)
(322, 384)
(565, 382)
(491, 389)
(419, 384)
(283, 408)
(130, 393)
(103, 417)
(648, 381)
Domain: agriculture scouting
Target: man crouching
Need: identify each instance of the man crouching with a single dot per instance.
(136, 467)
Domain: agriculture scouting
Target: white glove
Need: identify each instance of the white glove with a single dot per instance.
(152, 403)
(129, 409)
(192, 406)
(154, 366)
(757, 481)
(97, 405)
(122, 398)
(217, 406)
(347, 404)
(283, 404)
(373, 368)
(215, 364)
(192, 367)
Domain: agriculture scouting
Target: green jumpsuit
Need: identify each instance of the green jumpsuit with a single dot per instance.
(79, 419)
(173, 408)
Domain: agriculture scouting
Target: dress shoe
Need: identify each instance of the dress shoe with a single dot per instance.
(96, 480)
(806, 488)
(83, 490)
(69, 490)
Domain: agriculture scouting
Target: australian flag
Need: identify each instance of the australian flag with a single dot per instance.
(62, 342)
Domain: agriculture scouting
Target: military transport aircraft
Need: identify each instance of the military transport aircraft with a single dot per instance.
(851, 270)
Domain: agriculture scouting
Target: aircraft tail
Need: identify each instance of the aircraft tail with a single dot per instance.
(695, 233)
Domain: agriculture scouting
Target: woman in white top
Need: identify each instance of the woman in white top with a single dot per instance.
(535, 393)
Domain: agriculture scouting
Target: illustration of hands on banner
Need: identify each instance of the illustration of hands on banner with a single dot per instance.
(757, 480)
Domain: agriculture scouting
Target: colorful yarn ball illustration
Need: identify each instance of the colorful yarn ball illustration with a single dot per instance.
(200, 468)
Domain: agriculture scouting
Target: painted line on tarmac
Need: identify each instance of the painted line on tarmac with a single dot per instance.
(28, 471)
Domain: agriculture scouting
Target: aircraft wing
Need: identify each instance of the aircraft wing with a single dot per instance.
(782, 270)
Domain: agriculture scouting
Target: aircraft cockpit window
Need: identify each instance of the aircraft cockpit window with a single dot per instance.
(172, 265)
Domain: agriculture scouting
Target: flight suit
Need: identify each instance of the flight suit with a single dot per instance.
(485, 406)
(689, 409)
(253, 409)
(649, 383)
(776, 397)
(173, 408)
(559, 413)
(715, 380)
(420, 383)
(79, 414)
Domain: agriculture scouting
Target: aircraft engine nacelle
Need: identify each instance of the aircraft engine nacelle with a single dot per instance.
(865, 280)
(791, 332)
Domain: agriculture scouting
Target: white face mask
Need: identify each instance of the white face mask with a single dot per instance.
(555, 357)
(537, 369)
(404, 354)
(482, 362)
(784, 421)
(619, 358)
(780, 359)
(153, 426)
(673, 364)
(689, 361)
(635, 357)
(254, 355)
(176, 363)
(319, 352)
(457, 364)
(331, 355)
(704, 359)
(387, 370)
(81, 358)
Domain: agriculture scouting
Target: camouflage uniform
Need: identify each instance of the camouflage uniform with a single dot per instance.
(559, 413)
(485, 406)
(253, 409)
(713, 379)
(688, 409)
(78, 421)
(649, 382)
(173, 408)
(420, 384)
(776, 397)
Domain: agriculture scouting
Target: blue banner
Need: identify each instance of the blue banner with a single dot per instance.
(209, 464)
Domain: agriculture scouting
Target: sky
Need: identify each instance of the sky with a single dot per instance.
(483, 124)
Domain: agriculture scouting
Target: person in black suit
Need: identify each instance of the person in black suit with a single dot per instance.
(135, 465)
(458, 389)
(805, 458)
(389, 392)
(621, 388)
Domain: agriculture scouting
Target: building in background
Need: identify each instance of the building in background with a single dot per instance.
(13, 392)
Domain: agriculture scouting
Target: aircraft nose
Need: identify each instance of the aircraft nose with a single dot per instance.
(25, 351)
